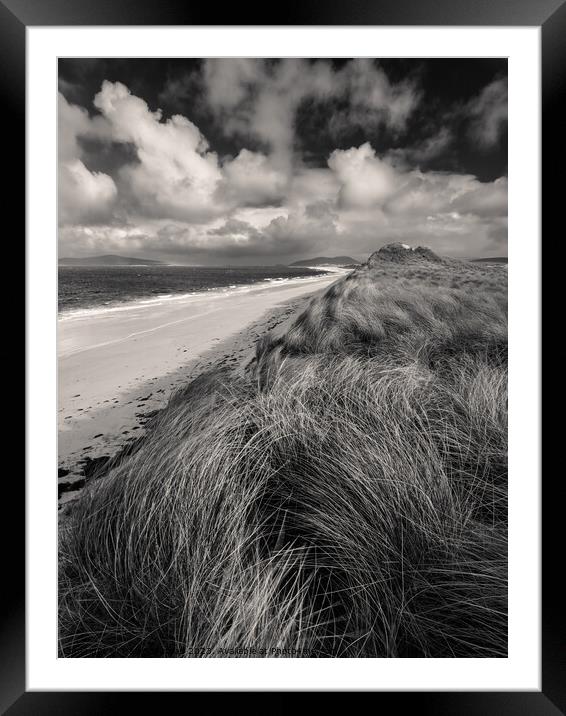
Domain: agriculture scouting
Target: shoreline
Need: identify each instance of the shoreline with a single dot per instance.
(151, 300)
(116, 369)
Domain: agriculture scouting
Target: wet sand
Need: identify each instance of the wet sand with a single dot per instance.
(116, 368)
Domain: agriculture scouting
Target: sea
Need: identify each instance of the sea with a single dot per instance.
(95, 287)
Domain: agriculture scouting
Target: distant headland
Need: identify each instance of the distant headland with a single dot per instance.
(326, 261)
(109, 260)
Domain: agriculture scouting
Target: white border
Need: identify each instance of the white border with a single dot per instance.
(521, 670)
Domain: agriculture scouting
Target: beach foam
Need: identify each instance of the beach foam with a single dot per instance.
(190, 297)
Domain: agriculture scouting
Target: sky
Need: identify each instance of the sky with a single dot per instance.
(252, 161)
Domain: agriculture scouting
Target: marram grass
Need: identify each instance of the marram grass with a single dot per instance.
(349, 500)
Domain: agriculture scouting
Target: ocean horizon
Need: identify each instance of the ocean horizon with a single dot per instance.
(82, 288)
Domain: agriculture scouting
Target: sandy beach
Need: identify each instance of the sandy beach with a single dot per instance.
(117, 367)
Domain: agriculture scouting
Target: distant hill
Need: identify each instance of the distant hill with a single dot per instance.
(493, 260)
(403, 254)
(109, 260)
(326, 261)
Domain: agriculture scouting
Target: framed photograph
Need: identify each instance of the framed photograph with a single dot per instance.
(283, 354)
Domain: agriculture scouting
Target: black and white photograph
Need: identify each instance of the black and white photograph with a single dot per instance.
(283, 354)
(282, 358)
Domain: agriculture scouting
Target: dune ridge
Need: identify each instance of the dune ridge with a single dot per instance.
(346, 496)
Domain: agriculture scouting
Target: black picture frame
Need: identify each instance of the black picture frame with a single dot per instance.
(15, 16)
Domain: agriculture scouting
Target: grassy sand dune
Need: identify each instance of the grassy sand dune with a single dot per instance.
(347, 499)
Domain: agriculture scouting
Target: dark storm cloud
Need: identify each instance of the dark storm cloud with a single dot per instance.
(245, 160)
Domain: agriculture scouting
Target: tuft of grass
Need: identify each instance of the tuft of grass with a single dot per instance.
(349, 501)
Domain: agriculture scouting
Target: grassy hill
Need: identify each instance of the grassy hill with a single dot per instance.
(349, 497)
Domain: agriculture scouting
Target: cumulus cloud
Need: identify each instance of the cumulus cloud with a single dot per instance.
(283, 237)
(174, 196)
(368, 181)
(176, 175)
(365, 179)
(259, 98)
(83, 195)
(253, 179)
(310, 185)
(428, 193)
